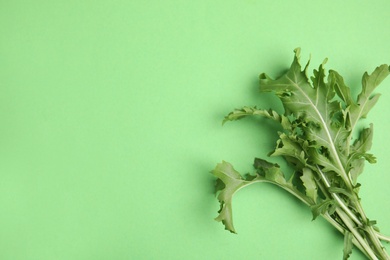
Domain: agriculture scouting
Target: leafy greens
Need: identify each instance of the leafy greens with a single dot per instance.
(319, 123)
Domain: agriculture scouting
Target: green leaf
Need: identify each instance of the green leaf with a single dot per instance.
(271, 172)
(357, 167)
(253, 111)
(309, 183)
(321, 208)
(364, 142)
(359, 150)
(233, 181)
(367, 99)
(339, 86)
(340, 190)
(325, 162)
(290, 148)
(348, 245)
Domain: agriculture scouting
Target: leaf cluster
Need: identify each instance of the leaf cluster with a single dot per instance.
(319, 122)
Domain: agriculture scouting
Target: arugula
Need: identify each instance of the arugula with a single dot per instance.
(319, 124)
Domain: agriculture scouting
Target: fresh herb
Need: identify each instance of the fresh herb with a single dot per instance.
(318, 141)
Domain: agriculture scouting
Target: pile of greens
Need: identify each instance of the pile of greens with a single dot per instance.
(319, 124)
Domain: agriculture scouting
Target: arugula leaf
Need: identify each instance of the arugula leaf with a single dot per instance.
(233, 181)
(319, 122)
(366, 99)
(321, 208)
(309, 183)
(363, 144)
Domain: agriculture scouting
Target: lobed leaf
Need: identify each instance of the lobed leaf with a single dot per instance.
(342, 90)
(309, 183)
(356, 168)
(364, 142)
(254, 111)
(367, 99)
(321, 208)
(233, 181)
(291, 150)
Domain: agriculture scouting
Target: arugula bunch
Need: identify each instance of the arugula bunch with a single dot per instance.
(319, 124)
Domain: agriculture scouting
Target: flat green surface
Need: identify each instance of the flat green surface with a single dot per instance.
(110, 121)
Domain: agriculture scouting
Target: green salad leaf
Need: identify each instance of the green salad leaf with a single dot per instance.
(319, 124)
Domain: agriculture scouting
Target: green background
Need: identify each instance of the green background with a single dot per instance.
(110, 121)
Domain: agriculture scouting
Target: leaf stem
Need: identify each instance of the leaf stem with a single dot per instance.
(352, 228)
(342, 231)
(373, 235)
(383, 237)
(338, 199)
